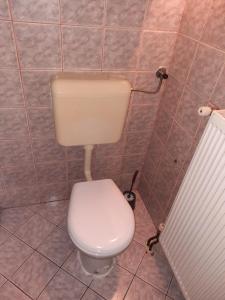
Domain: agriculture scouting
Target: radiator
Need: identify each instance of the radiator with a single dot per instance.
(194, 236)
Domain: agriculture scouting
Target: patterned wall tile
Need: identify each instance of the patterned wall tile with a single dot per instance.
(75, 169)
(195, 17)
(74, 152)
(15, 152)
(141, 117)
(82, 47)
(83, 12)
(149, 82)
(218, 97)
(214, 33)
(132, 163)
(164, 15)
(106, 167)
(178, 143)
(51, 172)
(121, 49)
(171, 96)
(41, 123)
(182, 58)
(7, 47)
(156, 149)
(137, 142)
(13, 123)
(187, 112)
(157, 49)
(209, 62)
(47, 150)
(10, 89)
(163, 124)
(53, 192)
(4, 13)
(167, 175)
(118, 13)
(37, 87)
(21, 196)
(38, 45)
(19, 176)
(38, 11)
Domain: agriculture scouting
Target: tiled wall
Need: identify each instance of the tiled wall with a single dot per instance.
(39, 38)
(197, 77)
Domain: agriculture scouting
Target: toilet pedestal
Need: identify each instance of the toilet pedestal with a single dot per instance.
(98, 267)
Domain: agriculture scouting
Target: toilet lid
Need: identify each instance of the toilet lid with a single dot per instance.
(100, 221)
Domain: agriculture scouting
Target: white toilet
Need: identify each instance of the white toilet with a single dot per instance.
(91, 110)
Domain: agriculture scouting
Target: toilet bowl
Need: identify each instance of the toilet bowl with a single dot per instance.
(100, 223)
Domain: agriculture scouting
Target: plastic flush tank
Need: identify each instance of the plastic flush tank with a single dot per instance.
(89, 109)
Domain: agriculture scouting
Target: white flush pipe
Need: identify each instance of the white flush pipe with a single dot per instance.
(87, 161)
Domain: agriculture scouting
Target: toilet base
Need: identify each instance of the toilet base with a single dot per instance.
(97, 267)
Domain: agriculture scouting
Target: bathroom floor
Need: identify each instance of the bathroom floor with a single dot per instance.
(39, 261)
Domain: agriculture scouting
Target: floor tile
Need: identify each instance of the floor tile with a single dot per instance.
(63, 286)
(91, 295)
(63, 224)
(55, 212)
(174, 291)
(2, 280)
(34, 275)
(115, 285)
(140, 290)
(72, 265)
(12, 218)
(156, 271)
(35, 231)
(57, 246)
(4, 235)
(131, 257)
(13, 253)
(9, 291)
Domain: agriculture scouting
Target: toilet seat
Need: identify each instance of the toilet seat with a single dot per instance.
(100, 221)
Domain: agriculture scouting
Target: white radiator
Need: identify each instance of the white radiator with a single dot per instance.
(194, 235)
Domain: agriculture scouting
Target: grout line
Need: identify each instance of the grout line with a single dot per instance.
(9, 280)
(48, 282)
(61, 35)
(23, 91)
(202, 43)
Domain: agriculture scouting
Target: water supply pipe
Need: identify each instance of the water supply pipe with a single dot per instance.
(87, 161)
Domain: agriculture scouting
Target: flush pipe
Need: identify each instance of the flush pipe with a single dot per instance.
(87, 161)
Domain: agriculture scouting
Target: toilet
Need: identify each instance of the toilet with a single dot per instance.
(89, 110)
(100, 224)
